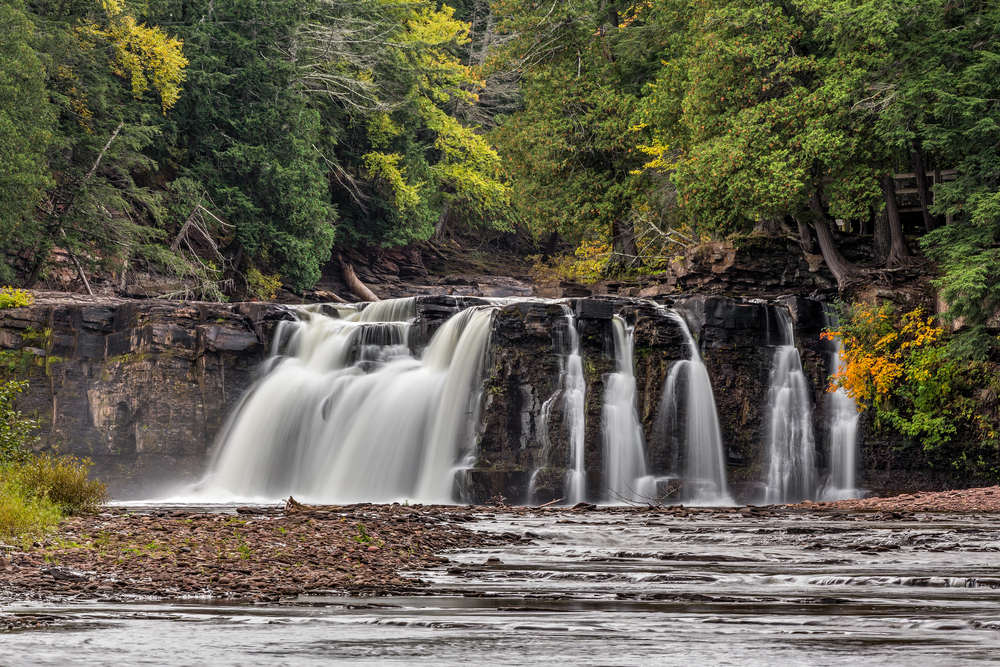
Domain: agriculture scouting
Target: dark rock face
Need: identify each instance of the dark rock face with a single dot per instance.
(141, 387)
(515, 442)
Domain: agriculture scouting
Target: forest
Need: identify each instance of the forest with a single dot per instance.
(242, 144)
(219, 138)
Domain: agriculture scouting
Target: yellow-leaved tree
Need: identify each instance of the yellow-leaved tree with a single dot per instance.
(146, 57)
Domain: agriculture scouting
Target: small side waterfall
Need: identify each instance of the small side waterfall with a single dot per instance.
(625, 470)
(791, 448)
(698, 435)
(348, 413)
(571, 394)
(842, 413)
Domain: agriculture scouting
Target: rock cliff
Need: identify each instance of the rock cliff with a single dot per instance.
(140, 387)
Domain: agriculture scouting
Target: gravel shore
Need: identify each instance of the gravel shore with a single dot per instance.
(256, 554)
(982, 499)
(271, 555)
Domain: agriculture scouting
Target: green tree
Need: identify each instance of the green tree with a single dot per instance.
(26, 123)
(572, 151)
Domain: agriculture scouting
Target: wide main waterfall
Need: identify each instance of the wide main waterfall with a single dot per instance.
(349, 413)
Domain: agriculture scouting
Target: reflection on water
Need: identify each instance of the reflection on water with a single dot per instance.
(601, 589)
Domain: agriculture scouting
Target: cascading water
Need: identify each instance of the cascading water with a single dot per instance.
(349, 414)
(699, 436)
(572, 394)
(625, 470)
(842, 413)
(791, 448)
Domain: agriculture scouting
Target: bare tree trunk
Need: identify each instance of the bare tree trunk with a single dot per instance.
(442, 223)
(899, 251)
(551, 244)
(923, 187)
(842, 269)
(76, 262)
(624, 254)
(104, 150)
(882, 239)
(357, 287)
(805, 236)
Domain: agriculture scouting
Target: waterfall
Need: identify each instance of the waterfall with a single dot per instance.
(791, 449)
(348, 413)
(842, 413)
(571, 393)
(700, 436)
(624, 443)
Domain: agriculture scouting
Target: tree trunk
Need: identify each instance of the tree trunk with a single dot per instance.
(442, 223)
(357, 287)
(624, 254)
(882, 239)
(843, 270)
(805, 236)
(899, 252)
(551, 244)
(923, 187)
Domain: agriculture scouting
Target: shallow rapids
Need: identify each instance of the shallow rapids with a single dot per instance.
(602, 589)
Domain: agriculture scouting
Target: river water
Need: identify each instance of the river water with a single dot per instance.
(601, 588)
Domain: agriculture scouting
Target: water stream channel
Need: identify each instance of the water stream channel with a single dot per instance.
(600, 588)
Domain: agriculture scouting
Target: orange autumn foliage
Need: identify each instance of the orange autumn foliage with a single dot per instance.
(879, 355)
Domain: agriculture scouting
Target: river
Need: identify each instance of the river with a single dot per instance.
(600, 588)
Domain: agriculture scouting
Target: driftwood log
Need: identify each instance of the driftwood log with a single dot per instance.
(358, 288)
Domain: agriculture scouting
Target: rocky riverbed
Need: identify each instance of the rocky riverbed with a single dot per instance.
(595, 586)
(268, 554)
(257, 554)
(982, 499)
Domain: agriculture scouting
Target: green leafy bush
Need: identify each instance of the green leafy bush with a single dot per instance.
(22, 515)
(37, 491)
(15, 429)
(62, 480)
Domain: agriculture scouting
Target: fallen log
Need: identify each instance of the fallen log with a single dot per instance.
(357, 287)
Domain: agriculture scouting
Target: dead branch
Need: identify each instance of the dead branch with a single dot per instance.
(83, 276)
(104, 150)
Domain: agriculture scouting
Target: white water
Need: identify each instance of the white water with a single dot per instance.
(351, 415)
(701, 436)
(571, 394)
(791, 448)
(842, 413)
(625, 470)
